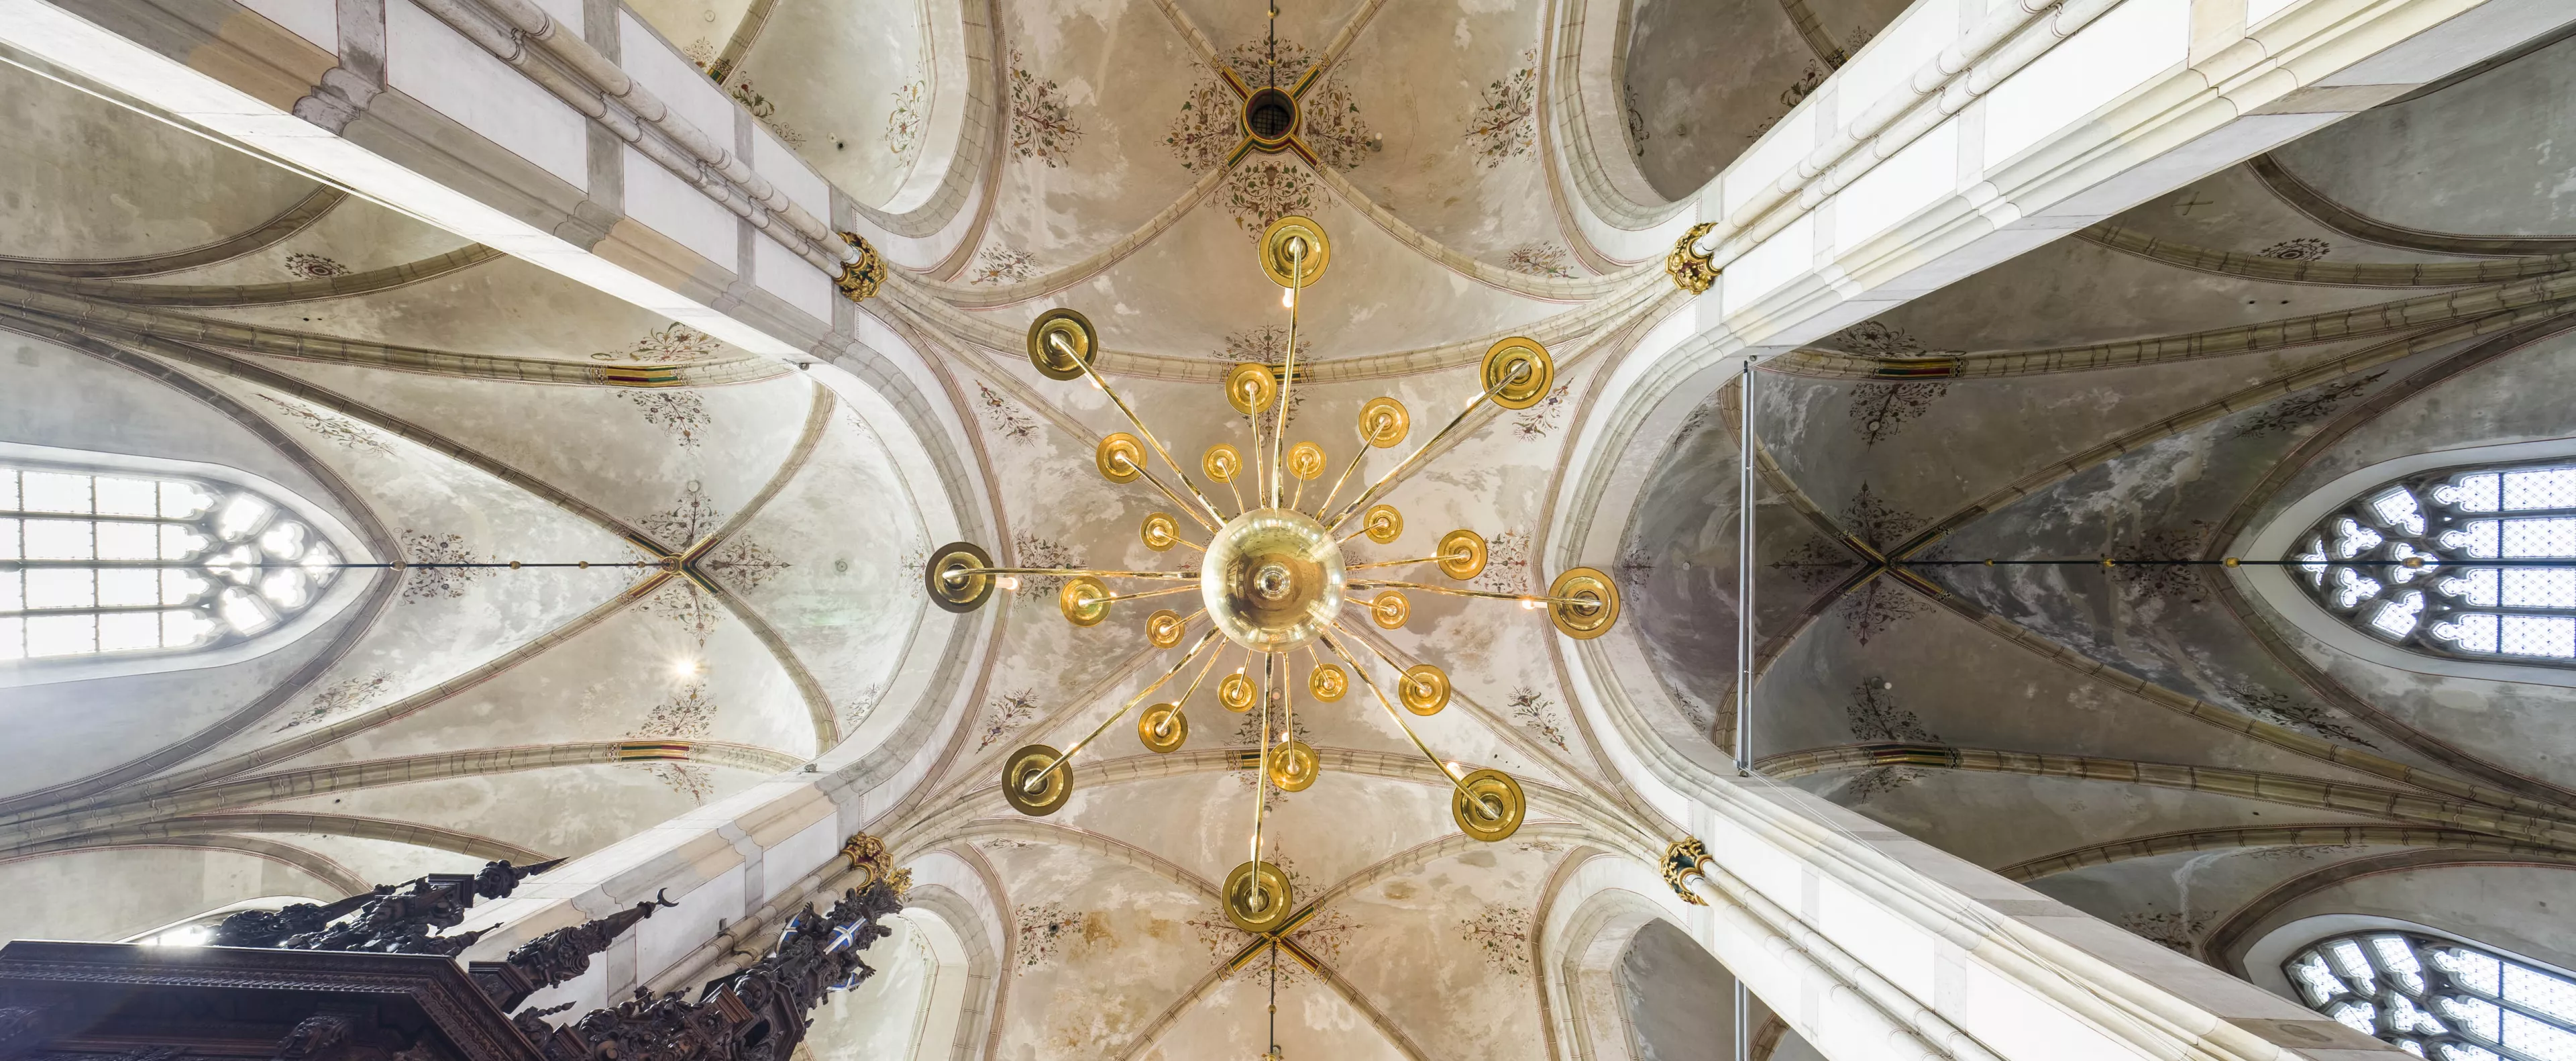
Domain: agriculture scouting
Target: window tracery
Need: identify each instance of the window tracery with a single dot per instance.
(98, 564)
(2404, 562)
(2439, 998)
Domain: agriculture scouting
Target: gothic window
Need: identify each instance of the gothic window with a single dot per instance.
(95, 564)
(2444, 524)
(2438, 998)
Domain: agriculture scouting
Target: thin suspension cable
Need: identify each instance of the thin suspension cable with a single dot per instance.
(1036, 781)
(217, 564)
(1454, 780)
(1261, 773)
(1744, 599)
(1518, 371)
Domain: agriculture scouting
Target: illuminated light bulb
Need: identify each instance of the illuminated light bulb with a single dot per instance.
(1008, 582)
(1287, 298)
(1531, 604)
(684, 668)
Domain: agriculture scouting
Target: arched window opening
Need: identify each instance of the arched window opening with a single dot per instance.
(2439, 998)
(95, 564)
(2355, 562)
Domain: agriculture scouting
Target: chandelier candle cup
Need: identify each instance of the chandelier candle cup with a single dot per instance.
(1164, 628)
(1328, 683)
(1236, 692)
(1389, 610)
(1425, 690)
(1161, 532)
(1293, 766)
(1084, 600)
(1120, 458)
(1163, 728)
(1062, 344)
(1462, 554)
(1257, 897)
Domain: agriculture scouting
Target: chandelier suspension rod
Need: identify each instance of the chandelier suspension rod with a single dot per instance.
(1141, 429)
(2108, 561)
(1400, 563)
(1382, 701)
(1518, 371)
(1036, 781)
(1744, 640)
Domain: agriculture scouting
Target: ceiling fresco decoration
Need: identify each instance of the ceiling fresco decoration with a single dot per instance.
(1304, 283)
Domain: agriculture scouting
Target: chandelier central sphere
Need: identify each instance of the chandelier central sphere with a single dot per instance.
(1272, 579)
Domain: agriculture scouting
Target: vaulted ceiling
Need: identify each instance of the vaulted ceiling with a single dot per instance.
(443, 399)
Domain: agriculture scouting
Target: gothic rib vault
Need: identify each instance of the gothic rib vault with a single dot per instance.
(2169, 750)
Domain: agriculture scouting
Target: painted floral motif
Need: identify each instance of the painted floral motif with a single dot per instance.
(907, 569)
(766, 113)
(2300, 249)
(313, 267)
(702, 54)
(1043, 929)
(860, 706)
(1539, 420)
(1814, 563)
(1637, 134)
(1872, 339)
(2177, 931)
(680, 414)
(1500, 934)
(1634, 567)
(675, 344)
(998, 265)
(1532, 710)
(1874, 716)
(1505, 123)
(349, 434)
(1877, 607)
(743, 565)
(2168, 582)
(1543, 847)
(904, 122)
(1878, 781)
(1507, 563)
(1006, 843)
(686, 715)
(1042, 125)
(1034, 551)
(1009, 712)
(1260, 192)
(1004, 417)
(1809, 80)
(1879, 410)
(426, 583)
(2282, 709)
(1873, 520)
(340, 698)
(1539, 259)
(692, 517)
(681, 602)
(1207, 128)
(695, 782)
(2304, 408)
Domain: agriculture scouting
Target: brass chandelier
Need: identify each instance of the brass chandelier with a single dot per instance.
(1271, 578)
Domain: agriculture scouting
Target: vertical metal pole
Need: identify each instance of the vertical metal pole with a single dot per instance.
(1743, 1023)
(1744, 609)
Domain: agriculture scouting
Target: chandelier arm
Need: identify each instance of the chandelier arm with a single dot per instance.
(1392, 563)
(1406, 465)
(965, 571)
(1383, 702)
(1203, 668)
(1326, 505)
(1229, 484)
(1261, 768)
(1428, 588)
(1185, 506)
(1288, 361)
(1036, 781)
(1150, 593)
(1150, 440)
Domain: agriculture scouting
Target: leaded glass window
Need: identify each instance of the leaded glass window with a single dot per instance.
(2438, 998)
(2521, 608)
(92, 564)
